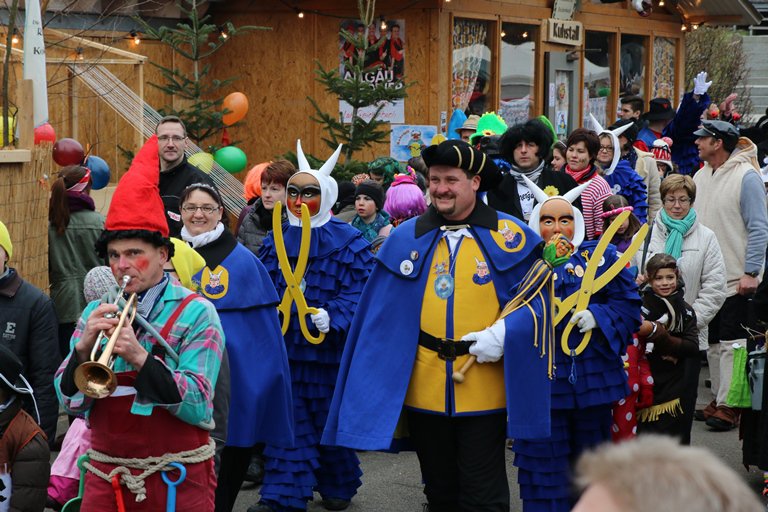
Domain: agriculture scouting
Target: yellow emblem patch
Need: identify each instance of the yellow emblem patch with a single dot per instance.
(214, 284)
(510, 237)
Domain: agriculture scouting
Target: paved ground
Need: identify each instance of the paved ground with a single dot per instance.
(392, 483)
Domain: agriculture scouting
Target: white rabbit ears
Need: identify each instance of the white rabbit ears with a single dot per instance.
(327, 166)
(541, 196)
(599, 129)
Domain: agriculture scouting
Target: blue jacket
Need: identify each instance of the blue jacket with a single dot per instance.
(687, 120)
(383, 339)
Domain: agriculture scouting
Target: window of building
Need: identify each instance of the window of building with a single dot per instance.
(663, 67)
(518, 65)
(472, 73)
(598, 54)
(632, 65)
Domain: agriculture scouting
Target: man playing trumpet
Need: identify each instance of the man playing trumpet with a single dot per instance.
(162, 406)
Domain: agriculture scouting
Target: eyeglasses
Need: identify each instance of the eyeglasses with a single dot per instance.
(682, 201)
(206, 209)
(175, 138)
(607, 149)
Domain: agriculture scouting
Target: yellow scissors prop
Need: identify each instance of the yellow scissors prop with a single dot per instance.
(293, 291)
(578, 301)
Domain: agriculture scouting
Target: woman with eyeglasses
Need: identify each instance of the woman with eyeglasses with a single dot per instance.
(235, 281)
(702, 268)
(581, 151)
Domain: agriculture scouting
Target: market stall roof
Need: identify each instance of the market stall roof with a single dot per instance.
(720, 12)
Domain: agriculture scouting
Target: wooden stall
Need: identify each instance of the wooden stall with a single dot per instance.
(517, 57)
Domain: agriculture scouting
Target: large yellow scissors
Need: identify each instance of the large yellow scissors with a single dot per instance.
(578, 301)
(293, 291)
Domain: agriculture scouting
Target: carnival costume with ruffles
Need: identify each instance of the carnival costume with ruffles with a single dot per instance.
(338, 266)
(585, 385)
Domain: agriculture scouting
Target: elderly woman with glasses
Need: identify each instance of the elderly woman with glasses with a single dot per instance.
(677, 232)
(238, 285)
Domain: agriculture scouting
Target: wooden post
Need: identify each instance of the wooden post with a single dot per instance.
(25, 118)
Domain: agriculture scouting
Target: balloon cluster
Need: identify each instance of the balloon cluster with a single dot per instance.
(230, 158)
(68, 151)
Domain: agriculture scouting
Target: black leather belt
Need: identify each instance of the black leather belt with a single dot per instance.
(448, 350)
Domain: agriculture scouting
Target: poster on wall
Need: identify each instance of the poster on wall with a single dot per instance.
(408, 140)
(389, 62)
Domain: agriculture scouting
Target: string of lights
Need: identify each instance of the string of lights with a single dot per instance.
(383, 17)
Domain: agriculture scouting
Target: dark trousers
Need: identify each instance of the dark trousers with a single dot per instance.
(462, 461)
(690, 393)
(234, 465)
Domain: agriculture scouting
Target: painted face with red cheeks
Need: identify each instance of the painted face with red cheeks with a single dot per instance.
(303, 188)
(556, 216)
(140, 260)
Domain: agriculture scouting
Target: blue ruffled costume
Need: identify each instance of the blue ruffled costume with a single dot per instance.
(338, 267)
(624, 181)
(584, 388)
(259, 376)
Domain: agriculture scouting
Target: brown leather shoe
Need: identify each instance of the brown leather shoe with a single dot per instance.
(705, 413)
(724, 419)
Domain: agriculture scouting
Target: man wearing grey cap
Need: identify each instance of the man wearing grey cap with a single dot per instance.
(731, 202)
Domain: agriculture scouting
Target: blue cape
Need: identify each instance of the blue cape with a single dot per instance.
(378, 359)
(261, 408)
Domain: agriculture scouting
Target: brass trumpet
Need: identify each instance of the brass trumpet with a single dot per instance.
(95, 378)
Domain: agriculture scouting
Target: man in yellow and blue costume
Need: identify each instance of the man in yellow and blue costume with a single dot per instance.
(433, 300)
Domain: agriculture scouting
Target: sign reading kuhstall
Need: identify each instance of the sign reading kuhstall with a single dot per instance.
(565, 32)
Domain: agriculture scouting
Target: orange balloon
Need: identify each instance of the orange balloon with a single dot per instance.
(237, 105)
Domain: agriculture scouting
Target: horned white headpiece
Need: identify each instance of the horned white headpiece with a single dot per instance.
(329, 189)
(570, 196)
(614, 135)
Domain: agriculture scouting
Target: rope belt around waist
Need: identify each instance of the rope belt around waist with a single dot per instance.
(446, 349)
(150, 466)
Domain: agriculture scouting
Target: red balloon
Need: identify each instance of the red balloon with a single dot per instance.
(45, 132)
(68, 152)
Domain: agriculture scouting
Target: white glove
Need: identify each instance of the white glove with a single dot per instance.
(700, 84)
(584, 320)
(663, 319)
(489, 346)
(321, 320)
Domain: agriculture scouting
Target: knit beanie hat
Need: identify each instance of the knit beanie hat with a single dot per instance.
(98, 281)
(5, 241)
(661, 151)
(186, 262)
(139, 186)
(373, 190)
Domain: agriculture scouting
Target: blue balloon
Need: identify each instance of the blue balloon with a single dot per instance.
(457, 120)
(99, 172)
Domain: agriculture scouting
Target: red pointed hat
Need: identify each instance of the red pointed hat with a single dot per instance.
(136, 203)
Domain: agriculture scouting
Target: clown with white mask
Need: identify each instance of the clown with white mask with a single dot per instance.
(336, 269)
(589, 381)
(619, 174)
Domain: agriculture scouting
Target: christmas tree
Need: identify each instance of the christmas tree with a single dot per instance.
(356, 87)
(196, 40)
